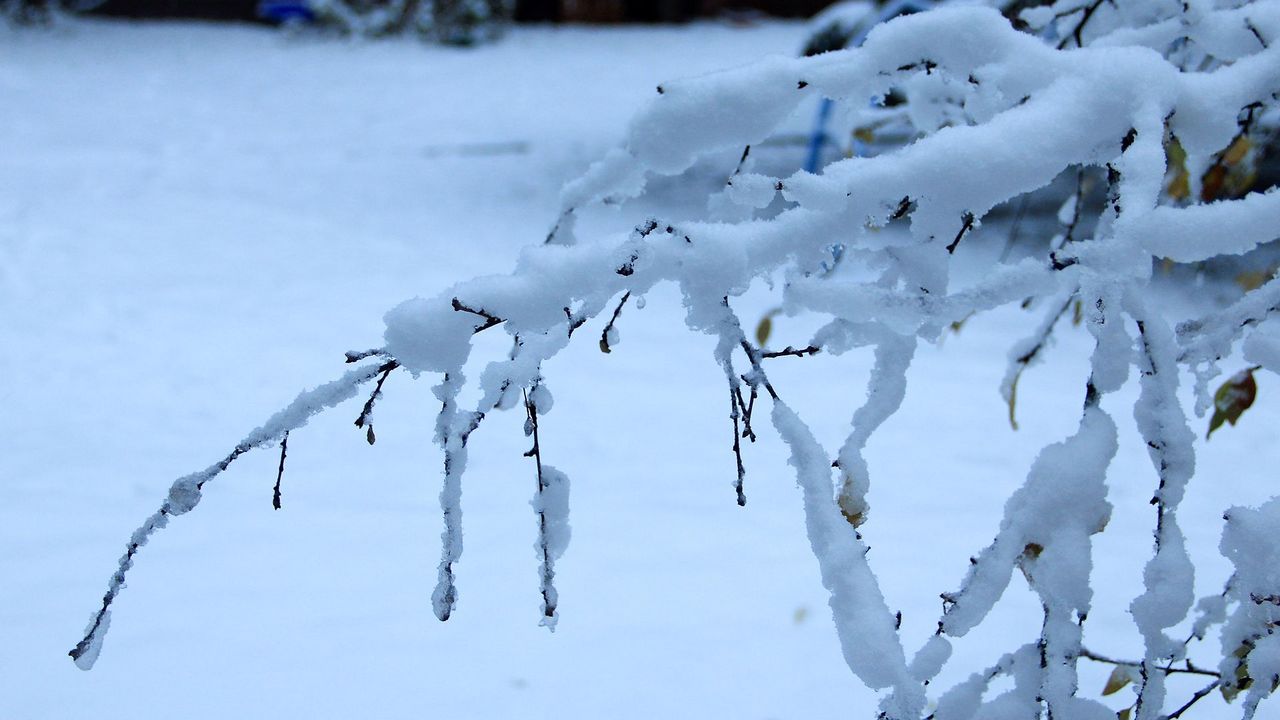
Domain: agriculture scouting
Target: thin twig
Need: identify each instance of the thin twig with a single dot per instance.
(1190, 670)
(1077, 32)
(574, 322)
(967, 221)
(186, 491)
(734, 400)
(746, 151)
(789, 351)
(284, 449)
(605, 347)
(1025, 360)
(489, 319)
(746, 408)
(1194, 699)
(367, 411)
(358, 355)
(547, 588)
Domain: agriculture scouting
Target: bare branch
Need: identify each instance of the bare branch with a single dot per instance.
(789, 351)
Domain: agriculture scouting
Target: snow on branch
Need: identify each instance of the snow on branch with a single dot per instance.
(185, 493)
(1165, 104)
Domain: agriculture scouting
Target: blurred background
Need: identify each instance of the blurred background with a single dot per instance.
(588, 11)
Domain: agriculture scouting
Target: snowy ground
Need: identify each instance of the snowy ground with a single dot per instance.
(195, 223)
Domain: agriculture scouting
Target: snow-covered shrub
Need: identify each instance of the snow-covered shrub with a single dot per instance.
(1153, 102)
(452, 22)
(40, 12)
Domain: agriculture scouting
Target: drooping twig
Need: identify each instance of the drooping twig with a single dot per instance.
(284, 449)
(453, 428)
(734, 415)
(367, 412)
(1034, 347)
(547, 573)
(747, 408)
(742, 162)
(605, 345)
(535, 452)
(185, 492)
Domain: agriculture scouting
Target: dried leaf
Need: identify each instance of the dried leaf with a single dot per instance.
(1237, 151)
(1229, 692)
(1179, 187)
(1254, 279)
(1231, 400)
(765, 328)
(1120, 677)
(854, 509)
(1013, 400)
(1241, 679)
(1124, 714)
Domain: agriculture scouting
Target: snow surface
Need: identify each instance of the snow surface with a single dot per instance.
(197, 221)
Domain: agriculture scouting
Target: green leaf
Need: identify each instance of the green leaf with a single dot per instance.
(1231, 400)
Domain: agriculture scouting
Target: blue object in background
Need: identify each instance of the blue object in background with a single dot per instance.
(819, 137)
(286, 11)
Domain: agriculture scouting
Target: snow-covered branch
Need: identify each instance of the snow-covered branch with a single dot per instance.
(1151, 96)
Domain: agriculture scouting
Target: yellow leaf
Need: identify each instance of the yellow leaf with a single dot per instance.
(854, 509)
(1120, 677)
(1254, 279)
(1237, 151)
